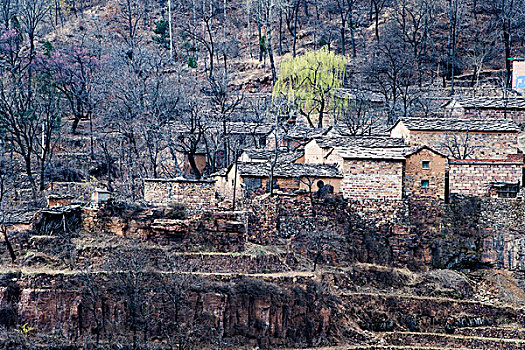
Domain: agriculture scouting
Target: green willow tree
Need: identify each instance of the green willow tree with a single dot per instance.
(308, 81)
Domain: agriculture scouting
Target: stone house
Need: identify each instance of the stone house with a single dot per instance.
(480, 177)
(461, 138)
(254, 178)
(392, 174)
(378, 167)
(323, 150)
(486, 107)
(425, 173)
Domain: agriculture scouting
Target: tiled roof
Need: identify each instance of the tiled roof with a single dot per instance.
(354, 94)
(455, 124)
(268, 154)
(293, 170)
(400, 153)
(231, 127)
(489, 102)
(300, 132)
(360, 141)
(220, 172)
(357, 152)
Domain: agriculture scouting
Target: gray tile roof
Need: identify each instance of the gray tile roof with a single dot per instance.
(455, 124)
(231, 127)
(268, 154)
(360, 141)
(356, 152)
(292, 170)
(489, 102)
(301, 132)
(400, 153)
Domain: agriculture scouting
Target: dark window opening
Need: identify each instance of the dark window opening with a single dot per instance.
(253, 183)
(426, 164)
(506, 190)
(425, 183)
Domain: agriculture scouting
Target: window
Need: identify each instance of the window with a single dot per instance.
(426, 164)
(506, 190)
(252, 183)
(425, 183)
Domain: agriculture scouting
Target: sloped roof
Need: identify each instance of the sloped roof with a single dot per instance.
(400, 153)
(488, 102)
(292, 170)
(356, 152)
(232, 127)
(268, 154)
(301, 132)
(455, 124)
(360, 141)
(353, 94)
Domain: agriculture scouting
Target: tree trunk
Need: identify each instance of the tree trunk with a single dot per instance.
(269, 21)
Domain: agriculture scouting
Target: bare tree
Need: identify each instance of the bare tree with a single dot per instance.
(459, 145)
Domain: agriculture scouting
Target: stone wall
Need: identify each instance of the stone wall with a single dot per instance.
(196, 194)
(415, 174)
(221, 231)
(372, 179)
(78, 190)
(517, 115)
(473, 177)
(502, 226)
(420, 234)
(229, 310)
(483, 145)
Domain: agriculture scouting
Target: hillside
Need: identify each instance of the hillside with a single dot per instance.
(262, 174)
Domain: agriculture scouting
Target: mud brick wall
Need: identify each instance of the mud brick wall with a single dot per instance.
(193, 193)
(473, 178)
(435, 175)
(372, 179)
(484, 145)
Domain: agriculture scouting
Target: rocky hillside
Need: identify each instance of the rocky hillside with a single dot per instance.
(155, 277)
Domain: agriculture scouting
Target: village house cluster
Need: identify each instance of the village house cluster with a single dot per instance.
(471, 150)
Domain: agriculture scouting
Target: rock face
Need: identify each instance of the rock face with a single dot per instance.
(469, 232)
(234, 310)
(135, 275)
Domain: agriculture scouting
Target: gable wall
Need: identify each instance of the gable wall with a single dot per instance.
(414, 174)
(313, 154)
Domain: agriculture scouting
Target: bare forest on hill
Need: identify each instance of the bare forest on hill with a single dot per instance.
(117, 91)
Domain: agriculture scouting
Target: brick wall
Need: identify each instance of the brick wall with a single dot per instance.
(372, 179)
(484, 145)
(193, 193)
(473, 177)
(435, 175)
